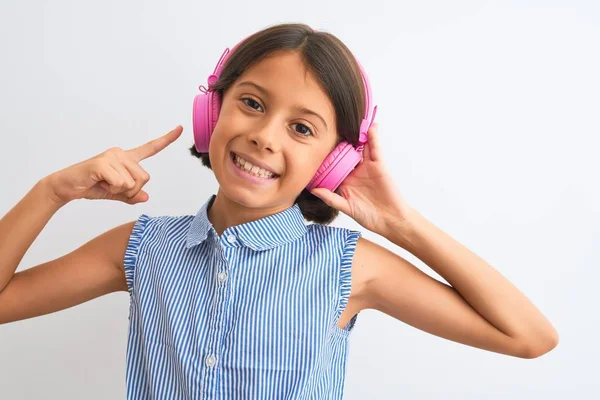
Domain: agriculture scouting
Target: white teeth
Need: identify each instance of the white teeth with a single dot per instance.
(252, 169)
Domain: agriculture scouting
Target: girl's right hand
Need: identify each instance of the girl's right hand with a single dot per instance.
(113, 175)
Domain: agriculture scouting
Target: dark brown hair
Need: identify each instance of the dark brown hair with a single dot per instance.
(332, 65)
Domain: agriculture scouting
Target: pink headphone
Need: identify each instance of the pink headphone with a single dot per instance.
(336, 166)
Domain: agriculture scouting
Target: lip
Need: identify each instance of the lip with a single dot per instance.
(254, 161)
(247, 177)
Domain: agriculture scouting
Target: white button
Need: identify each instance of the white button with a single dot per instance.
(231, 238)
(211, 361)
(222, 276)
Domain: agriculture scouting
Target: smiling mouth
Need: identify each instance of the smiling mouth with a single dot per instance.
(251, 169)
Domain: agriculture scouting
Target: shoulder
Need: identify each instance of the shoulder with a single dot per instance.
(337, 241)
(146, 223)
(151, 231)
(336, 233)
(373, 261)
(353, 255)
(147, 233)
(370, 263)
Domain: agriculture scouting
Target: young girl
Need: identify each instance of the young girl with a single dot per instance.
(245, 300)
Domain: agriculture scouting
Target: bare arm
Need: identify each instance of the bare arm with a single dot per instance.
(92, 270)
(95, 268)
(481, 309)
(20, 226)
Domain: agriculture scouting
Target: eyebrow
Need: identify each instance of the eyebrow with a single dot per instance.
(266, 93)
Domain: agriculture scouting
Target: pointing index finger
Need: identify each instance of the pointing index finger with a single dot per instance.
(156, 145)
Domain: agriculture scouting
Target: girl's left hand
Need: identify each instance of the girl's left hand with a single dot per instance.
(369, 194)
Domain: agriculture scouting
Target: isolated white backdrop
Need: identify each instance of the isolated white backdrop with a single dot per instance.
(489, 118)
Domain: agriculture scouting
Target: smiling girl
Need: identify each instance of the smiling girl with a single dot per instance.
(255, 296)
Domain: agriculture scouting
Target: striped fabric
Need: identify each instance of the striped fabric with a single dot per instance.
(251, 314)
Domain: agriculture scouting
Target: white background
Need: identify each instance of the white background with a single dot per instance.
(489, 118)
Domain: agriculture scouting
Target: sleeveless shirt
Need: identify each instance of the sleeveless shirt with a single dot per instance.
(250, 314)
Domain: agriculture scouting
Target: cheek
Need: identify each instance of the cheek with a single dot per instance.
(222, 133)
(308, 161)
(228, 118)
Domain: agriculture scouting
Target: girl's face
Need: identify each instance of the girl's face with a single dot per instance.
(275, 127)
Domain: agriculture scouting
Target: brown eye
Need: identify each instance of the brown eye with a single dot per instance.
(304, 130)
(252, 103)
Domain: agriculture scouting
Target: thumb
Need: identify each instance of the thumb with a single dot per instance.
(331, 199)
(140, 197)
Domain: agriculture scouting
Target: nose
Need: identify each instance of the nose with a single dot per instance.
(267, 137)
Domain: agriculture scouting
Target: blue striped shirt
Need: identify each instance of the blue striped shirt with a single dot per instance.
(250, 314)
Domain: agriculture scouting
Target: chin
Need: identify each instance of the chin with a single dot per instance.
(246, 197)
(253, 198)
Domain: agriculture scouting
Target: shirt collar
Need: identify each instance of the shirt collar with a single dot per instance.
(262, 234)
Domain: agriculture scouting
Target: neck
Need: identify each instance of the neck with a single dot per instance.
(225, 213)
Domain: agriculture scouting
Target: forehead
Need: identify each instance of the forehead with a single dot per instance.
(284, 75)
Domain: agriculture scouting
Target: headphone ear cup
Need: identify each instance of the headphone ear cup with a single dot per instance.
(336, 167)
(205, 115)
(215, 109)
